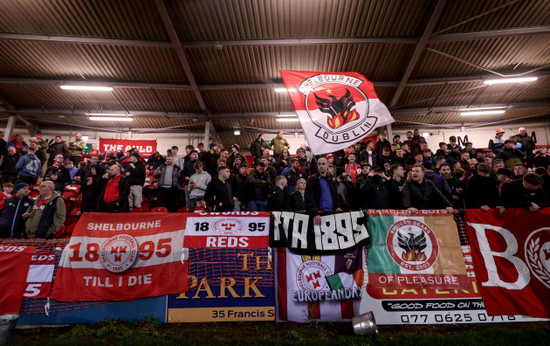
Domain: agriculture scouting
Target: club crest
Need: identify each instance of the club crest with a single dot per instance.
(537, 253)
(338, 107)
(412, 245)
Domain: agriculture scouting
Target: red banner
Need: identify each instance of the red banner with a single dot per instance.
(40, 276)
(14, 264)
(227, 230)
(122, 257)
(511, 255)
(145, 147)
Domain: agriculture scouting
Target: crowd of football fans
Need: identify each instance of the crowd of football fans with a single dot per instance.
(45, 183)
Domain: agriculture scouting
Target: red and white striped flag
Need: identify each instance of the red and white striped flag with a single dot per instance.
(336, 109)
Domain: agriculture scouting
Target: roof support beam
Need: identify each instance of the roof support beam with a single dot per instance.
(434, 18)
(98, 41)
(204, 87)
(149, 114)
(182, 55)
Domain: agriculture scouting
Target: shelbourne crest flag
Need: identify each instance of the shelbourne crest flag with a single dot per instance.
(123, 257)
(415, 250)
(335, 109)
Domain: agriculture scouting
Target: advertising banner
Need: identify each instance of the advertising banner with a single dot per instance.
(226, 285)
(145, 147)
(319, 288)
(335, 109)
(14, 266)
(415, 251)
(248, 230)
(122, 257)
(511, 256)
(230, 269)
(398, 306)
(337, 233)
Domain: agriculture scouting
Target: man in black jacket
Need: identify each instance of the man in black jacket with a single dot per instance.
(90, 184)
(374, 192)
(114, 196)
(276, 200)
(321, 192)
(58, 173)
(9, 172)
(420, 193)
(395, 186)
(526, 193)
(219, 195)
(136, 178)
(257, 147)
(481, 191)
(57, 147)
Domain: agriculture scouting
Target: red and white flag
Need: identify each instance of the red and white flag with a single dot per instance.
(336, 109)
(248, 230)
(14, 265)
(511, 255)
(122, 257)
(40, 276)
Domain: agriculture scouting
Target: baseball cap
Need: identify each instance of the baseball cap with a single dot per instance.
(500, 131)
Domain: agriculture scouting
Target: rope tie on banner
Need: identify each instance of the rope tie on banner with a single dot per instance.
(47, 307)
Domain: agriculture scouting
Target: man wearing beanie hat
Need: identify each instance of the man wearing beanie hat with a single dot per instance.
(235, 151)
(12, 209)
(135, 173)
(497, 144)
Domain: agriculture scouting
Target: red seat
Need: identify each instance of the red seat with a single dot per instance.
(139, 210)
(60, 232)
(34, 187)
(73, 187)
(183, 210)
(65, 231)
(158, 210)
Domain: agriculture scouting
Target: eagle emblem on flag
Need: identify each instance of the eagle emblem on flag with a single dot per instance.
(335, 109)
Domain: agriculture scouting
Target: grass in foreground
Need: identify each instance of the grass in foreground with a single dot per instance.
(150, 332)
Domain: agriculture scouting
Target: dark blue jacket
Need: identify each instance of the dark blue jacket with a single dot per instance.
(12, 224)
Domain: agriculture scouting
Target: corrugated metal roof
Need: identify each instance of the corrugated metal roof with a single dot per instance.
(257, 19)
(500, 15)
(456, 118)
(507, 55)
(262, 64)
(89, 62)
(135, 19)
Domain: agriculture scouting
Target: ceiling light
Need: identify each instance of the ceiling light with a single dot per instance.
(481, 108)
(289, 115)
(510, 80)
(284, 90)
(86, 87)
(287, 120)
(237, 132)
(483, 112)
(85, 138)
(110, 119)
(109, 114)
